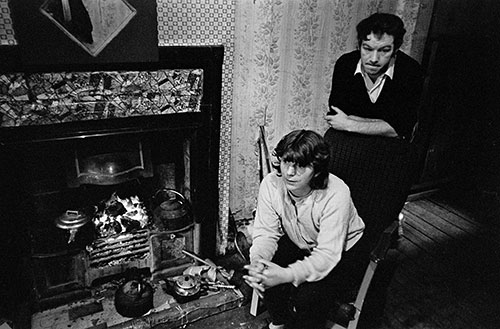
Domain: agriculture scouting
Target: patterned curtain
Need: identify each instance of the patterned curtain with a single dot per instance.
(285, 51)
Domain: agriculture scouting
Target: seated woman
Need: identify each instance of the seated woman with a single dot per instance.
(305, 226)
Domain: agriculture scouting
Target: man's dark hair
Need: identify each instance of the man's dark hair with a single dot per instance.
(380, 23)
(304, 148)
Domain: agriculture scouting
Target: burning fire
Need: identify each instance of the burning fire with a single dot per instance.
(120, 216)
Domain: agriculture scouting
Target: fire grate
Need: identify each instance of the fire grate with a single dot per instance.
(119, 250)
(113, 255)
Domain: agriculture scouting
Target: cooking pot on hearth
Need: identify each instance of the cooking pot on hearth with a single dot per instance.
(171, 210)
(134, 298)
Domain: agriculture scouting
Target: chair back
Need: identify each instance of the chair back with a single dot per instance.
(379, 172)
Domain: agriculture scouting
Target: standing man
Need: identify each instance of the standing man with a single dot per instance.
(376, 89)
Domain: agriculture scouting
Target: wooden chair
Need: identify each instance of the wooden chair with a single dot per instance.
(379, 172)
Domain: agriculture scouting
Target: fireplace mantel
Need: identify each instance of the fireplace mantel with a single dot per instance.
(10, 136)
(206, 59)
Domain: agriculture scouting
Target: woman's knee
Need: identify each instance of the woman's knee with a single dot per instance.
(311, 299)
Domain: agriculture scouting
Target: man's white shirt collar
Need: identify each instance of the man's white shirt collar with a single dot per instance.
(375, 88)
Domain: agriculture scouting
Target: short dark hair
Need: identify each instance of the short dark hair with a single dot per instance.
(305, 147)
(380, 23)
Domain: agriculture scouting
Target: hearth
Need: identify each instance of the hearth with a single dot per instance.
(100, 195)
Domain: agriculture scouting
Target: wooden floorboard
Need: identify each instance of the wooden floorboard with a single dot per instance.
(480, 209)
(437, 238)
(447, 222)
(447, 275)
(418, 238)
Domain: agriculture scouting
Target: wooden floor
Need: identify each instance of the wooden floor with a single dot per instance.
(448, 273)
(449, 270)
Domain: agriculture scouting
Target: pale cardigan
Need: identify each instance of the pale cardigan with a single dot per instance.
(324, 224)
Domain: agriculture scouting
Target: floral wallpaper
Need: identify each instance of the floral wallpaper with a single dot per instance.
(285, 52)
(278, 61)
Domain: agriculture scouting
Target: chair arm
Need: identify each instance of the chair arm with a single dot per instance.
(380, 251)
(347, 315)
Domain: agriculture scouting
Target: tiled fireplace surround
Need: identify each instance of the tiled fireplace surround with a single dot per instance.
(169, 111)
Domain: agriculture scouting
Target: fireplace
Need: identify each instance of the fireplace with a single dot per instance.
(92, 196)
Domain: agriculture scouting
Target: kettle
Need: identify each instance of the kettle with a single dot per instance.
(72, 221)
(184, 288)
(171, 210)
(187, 285)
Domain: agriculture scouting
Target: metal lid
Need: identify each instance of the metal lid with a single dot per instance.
(71, 219)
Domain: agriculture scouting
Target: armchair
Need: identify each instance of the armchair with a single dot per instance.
(379, 172)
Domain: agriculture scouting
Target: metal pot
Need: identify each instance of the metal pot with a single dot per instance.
(171, 210)
(134, 298)
(72, 219)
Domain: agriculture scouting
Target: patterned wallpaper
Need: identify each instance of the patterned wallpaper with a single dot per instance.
(189, 23)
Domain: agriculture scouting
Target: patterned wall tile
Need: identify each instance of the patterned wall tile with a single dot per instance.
(7, 36)
(49, 98)
(207, 22)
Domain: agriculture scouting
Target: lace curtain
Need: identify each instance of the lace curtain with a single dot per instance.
(284, 54)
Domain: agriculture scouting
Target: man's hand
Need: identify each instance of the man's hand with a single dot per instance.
(263, 274)
(338, 119)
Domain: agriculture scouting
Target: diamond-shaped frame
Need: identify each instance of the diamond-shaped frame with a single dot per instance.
(106, 18)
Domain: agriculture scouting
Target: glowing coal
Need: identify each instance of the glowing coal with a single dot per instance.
(120, 216)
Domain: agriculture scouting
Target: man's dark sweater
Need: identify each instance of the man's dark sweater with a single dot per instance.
(398, 102)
